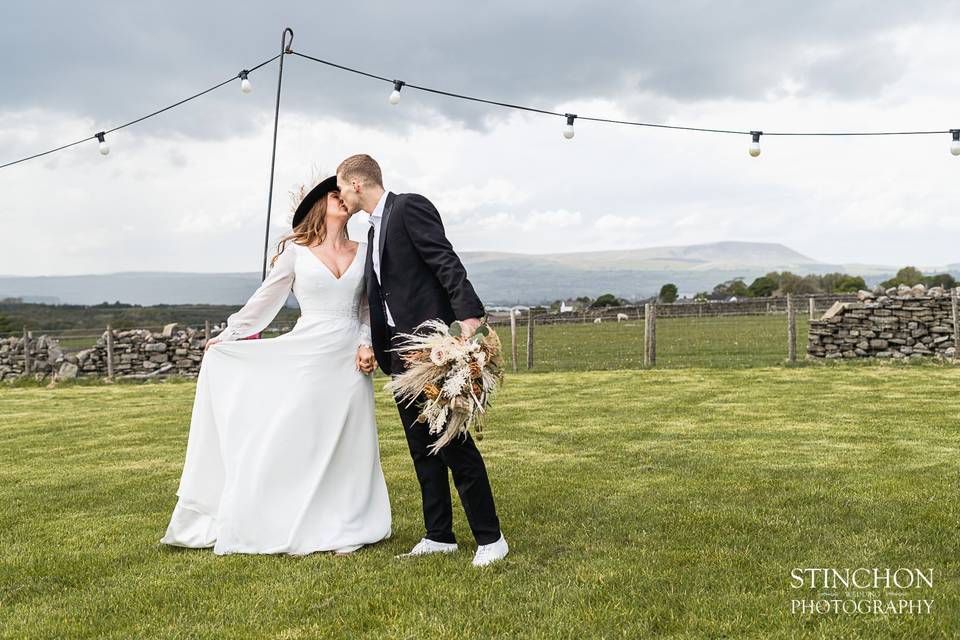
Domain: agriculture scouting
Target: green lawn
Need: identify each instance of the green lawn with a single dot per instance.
(637, 504)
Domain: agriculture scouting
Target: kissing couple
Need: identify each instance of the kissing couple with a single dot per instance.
(283, 453)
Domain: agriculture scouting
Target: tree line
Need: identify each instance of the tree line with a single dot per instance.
(16, 314)
(777, 283)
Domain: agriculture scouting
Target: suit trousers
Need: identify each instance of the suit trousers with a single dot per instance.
(465, 463)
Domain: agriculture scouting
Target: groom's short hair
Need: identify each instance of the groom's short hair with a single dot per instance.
(361, 167)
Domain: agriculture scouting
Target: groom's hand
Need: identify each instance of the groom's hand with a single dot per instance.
(366, 361)
(469, 326)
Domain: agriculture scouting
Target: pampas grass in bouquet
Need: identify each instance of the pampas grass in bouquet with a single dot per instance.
(456, 375)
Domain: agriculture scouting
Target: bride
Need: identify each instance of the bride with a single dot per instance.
(283, 454)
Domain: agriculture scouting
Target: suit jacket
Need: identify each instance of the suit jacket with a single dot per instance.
(421, 277)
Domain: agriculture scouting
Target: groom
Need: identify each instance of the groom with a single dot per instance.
(414, 275)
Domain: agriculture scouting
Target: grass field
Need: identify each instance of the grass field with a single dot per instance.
(723, 341)
(646, 503)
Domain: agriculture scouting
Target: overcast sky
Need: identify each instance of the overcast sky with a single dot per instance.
(187, 190)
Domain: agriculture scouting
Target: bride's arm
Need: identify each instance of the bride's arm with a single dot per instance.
(266, 302)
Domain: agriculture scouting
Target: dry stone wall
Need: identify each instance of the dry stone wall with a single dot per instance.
(137, 353)
(901, 322)
(44, 356)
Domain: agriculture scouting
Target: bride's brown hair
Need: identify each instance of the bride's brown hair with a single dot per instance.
(313, 229)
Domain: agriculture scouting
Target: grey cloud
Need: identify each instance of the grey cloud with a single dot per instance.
(177, 159)
(115, 62)
(859, 72)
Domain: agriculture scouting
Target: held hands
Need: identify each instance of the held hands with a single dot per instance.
(210, 343)
(366, 361)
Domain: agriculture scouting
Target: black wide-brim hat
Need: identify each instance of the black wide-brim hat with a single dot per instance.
(318, 192)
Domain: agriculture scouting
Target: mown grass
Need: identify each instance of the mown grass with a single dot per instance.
(668, 503)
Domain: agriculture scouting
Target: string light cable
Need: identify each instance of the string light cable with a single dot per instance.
(569, 118)
(245, 86)
(568, 131)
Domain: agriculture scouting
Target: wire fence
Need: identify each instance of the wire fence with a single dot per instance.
(715, 340)
(745, 333)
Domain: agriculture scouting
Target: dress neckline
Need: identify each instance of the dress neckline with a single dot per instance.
(327, 268)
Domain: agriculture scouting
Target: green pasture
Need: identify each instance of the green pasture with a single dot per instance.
(647, 503)
(721, 341)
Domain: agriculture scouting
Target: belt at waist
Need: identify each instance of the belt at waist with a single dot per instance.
(334, 312)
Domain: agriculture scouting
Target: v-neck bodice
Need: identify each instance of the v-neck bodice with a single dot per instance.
(319, 291)
(324, 264)
(322, 297)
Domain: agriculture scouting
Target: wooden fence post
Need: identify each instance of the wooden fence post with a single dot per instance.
(513, 337)
(26, 353)
(791, 330)
(649, 334)
(813, 308)
(530, 339)
(109, 353)
(956, 324)
(646, 334)
(206, 330)
(653, 334)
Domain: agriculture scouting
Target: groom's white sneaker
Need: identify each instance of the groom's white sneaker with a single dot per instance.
(426, 547)
(487, 553)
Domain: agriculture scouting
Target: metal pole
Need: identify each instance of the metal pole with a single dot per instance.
(284, 49)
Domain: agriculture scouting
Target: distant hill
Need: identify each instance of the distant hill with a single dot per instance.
(698, 256)
(134, 287)
(500, 278)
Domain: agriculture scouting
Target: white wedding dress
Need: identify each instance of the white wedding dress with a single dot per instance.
(283, 454)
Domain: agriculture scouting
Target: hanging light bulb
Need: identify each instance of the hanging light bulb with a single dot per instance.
(245, 84)
(755, 145)
(955, 145)
(395, 96)
(104, 149)
(568, 130)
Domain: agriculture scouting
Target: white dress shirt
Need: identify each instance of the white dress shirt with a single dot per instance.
(376, 217)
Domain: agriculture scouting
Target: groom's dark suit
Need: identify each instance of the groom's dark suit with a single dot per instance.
(422, 278)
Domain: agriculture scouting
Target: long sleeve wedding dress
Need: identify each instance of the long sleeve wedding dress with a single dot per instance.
(282, 454)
